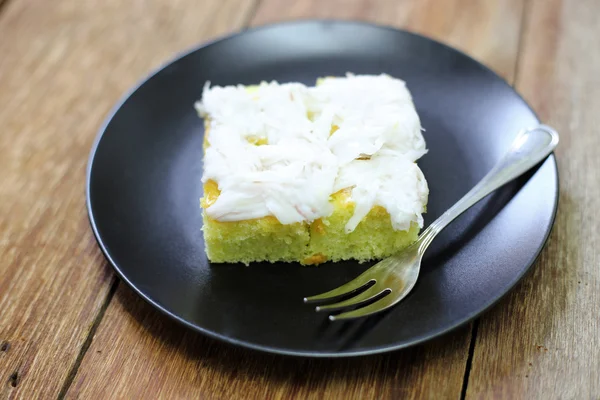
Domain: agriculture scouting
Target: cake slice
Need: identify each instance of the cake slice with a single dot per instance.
(311, 174)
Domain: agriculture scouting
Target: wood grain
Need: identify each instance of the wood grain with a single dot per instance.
(63, 64)
(138, 353)
(543, 341)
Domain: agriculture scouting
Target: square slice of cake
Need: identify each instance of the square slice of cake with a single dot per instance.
(311, 174)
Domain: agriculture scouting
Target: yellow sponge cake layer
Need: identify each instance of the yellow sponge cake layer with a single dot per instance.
(373, 238)
(266, 239)
(251, 240)
(262, 239)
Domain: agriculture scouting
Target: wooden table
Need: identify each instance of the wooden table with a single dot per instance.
(69, 328)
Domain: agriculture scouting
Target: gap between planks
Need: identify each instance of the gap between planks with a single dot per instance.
(469, 363)
(88, 340)
(517, 66)
(523, 28)
(3, 4)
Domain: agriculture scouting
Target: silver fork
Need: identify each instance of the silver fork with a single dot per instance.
(394, 277)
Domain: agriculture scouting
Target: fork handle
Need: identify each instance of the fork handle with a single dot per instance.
(527, 150)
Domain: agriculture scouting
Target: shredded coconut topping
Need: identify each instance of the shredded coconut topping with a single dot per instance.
(284, 149)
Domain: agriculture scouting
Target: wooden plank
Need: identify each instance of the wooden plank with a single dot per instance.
(138, 353)
(543, 341)
(63, 64)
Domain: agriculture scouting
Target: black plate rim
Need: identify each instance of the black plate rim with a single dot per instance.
(311, 354)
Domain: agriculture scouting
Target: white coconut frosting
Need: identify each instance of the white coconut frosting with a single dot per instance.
(272, 151)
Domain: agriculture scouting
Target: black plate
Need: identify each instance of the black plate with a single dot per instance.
(144, 185)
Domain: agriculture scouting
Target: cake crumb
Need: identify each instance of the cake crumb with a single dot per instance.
(314, 259)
